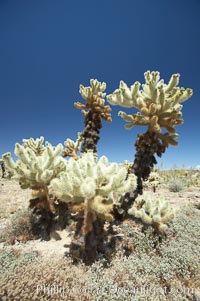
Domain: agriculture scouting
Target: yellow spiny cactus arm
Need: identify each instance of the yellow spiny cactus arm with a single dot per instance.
(72, 148)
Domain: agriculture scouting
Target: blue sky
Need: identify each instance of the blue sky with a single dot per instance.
(48, 48)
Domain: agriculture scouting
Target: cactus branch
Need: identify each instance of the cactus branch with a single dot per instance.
(94, 110)
(72, 148)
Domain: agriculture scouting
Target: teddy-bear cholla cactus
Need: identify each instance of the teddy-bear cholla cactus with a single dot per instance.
(195, 179)
(128, 165)
(72, 147)
(35, 171)
(153, 180)
(153, 212)
(91, 186)
(94, 110)
(159, 108)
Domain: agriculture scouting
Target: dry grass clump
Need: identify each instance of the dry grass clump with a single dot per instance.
(19, 228)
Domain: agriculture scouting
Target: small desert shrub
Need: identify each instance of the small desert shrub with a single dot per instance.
(11, 258)
(31, 278)
(19, 228)
(136, 278)
(176, 184)
(135, 239)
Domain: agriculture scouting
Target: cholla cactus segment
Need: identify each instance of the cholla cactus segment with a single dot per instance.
(128, 165)
(34, 171)
(158, 103)
(96, 87)
(153, 212)
(88, 178)
(153, 180)
(72, 147)
(94, 97)
(124, 96)
(195, 179)
(36, 145)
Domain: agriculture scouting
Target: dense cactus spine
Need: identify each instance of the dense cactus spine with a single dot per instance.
(94, 111)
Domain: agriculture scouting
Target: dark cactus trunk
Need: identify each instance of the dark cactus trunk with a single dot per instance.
(88, 241)
(3, 168)
(42, 215)
(62, 214)
(41, 223)
(146, 147)
(94, 242)
(91, 131)
(87, 246)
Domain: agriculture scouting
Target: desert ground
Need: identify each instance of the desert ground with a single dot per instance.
(41, 270)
